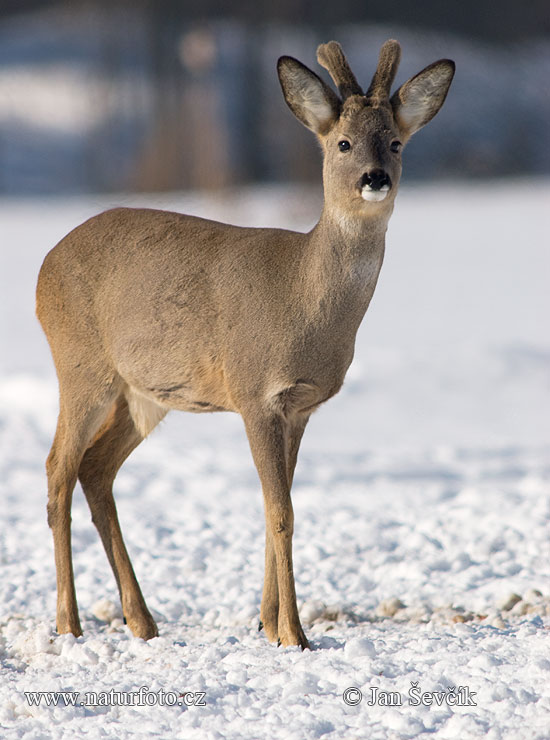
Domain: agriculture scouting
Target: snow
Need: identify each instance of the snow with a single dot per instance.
(421, 502)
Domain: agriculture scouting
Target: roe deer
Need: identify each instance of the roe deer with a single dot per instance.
(147, 311)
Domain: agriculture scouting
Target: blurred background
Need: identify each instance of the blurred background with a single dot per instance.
(163, 95)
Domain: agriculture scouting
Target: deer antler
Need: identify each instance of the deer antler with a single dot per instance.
(331, 57)
(388, 62)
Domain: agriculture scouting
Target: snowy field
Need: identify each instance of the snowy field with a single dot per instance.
(421, 499)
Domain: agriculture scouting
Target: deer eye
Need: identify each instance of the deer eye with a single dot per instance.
(395, 146)
(344, 146)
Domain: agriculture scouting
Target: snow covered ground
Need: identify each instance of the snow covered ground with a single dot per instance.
(421, 498)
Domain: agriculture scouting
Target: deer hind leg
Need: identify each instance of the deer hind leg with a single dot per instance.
(269, 443)
(78, 422)
(116, 439)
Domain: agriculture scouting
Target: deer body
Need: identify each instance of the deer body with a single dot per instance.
(232, 292)
(148, 311)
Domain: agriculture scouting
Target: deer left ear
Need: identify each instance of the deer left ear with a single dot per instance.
(418, 100)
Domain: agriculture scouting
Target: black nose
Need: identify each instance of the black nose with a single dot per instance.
(376, 179)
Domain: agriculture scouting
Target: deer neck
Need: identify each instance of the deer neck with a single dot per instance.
(343, 258)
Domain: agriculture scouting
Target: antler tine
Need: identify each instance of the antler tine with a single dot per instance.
(331, 57)
(388, 62)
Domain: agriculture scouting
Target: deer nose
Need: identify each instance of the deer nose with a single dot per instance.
(376, 180)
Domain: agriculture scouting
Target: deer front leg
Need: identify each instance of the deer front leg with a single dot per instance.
(269, 444)
(269, 610)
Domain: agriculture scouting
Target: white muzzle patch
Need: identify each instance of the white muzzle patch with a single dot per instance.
(374, 196)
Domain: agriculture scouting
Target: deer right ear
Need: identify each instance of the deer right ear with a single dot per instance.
(418, 100)
(308, 97)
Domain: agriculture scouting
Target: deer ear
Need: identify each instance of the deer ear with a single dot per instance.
(418, 100)
(308, 97)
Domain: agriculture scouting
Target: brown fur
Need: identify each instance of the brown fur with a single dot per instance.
(147, 311)
(388, 62)
(331, 57)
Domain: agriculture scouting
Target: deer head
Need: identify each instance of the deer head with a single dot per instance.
(362, 135)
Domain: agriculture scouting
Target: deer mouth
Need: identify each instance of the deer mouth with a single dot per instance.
(372, 195)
